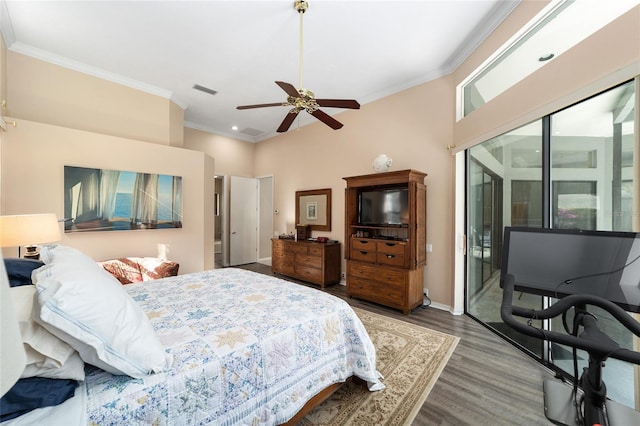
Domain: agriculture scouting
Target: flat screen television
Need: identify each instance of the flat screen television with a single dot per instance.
(383, 207)
(559, 262)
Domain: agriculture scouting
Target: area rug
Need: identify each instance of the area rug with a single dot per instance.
(410, 358)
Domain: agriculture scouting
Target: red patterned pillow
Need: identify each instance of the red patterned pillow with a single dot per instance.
(126, 270)
(152, 268)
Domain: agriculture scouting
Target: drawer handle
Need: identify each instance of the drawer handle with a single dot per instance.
(364, 252)
(390, 256)
(364, 242)
(391, 244)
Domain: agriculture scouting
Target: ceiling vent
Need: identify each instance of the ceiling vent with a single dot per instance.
(251, 132)
(205, 89)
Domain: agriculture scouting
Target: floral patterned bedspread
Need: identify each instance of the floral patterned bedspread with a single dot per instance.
(248, 349)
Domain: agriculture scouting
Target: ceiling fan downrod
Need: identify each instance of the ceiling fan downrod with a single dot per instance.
(301, 7)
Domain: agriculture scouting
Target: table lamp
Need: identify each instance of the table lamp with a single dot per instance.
(28, 230)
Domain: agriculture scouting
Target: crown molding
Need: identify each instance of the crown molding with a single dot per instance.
(495, 17)
(71, 64)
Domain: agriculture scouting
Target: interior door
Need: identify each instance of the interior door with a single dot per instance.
(243, 220)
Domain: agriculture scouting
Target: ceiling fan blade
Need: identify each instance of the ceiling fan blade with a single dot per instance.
(289, 88)
(338, 103)
(261, 105)
(288, 120)
(327, 119)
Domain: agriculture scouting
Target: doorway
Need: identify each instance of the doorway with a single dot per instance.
(265, 219)
(250, 220)
(219, 238)
(243, 220)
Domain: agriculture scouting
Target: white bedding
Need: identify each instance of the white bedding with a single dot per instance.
(248, 349)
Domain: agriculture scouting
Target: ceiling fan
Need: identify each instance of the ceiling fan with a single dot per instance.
(303, 99)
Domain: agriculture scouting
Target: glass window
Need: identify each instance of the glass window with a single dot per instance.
(556, 29)
(598, 132)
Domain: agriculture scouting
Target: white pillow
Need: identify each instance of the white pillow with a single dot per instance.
(84, 305)
(47, 355)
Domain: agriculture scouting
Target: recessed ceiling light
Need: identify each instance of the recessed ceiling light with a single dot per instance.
(546, 57)
(234, 128)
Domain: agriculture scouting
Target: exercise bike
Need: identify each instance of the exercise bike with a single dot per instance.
(586, 402)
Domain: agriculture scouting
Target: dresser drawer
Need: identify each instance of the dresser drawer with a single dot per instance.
(284, 269)
(391, 247)
(309, 274)
(277, 245)
(384, 293)
(298, 248)
(282, 266)
(375, 273)
(315, 251)
(363, 244)
(363, 255)
(282, 257)
(310, 261)
(390, 259)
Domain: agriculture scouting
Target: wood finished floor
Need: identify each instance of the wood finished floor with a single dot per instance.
(486, 381)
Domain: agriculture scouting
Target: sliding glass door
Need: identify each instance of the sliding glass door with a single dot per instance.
(576, 168)
(504, 187)
(592, 174)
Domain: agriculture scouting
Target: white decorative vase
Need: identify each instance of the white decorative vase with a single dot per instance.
(381, 163)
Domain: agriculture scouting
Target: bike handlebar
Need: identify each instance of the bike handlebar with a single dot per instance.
(507, 312)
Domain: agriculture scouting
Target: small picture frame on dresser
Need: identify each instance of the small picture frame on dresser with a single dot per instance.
(303, 232)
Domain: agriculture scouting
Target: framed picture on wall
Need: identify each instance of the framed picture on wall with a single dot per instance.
(113, 200)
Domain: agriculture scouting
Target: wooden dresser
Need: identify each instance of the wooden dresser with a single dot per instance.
(317, 263)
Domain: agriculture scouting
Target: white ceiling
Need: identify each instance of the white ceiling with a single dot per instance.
(360, 50)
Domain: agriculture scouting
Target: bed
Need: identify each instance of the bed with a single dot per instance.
(238, 348)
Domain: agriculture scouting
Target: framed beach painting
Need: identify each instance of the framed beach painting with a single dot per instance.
(112, 200)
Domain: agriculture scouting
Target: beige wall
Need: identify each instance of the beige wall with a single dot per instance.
(233, 157)
(412, 127)
(33, 159)
(47, 93)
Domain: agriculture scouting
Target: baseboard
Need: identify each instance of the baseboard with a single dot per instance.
(441, 307)
(455, 311)
(265, 261)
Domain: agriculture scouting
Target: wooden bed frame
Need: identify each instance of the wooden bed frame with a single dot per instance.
(318, 399)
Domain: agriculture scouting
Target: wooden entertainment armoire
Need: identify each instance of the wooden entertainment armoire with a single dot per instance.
(385, 262)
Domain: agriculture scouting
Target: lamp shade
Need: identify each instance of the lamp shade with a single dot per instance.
(28, 229)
